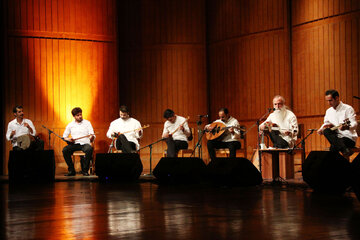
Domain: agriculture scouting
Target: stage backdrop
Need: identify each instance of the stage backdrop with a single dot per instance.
(61, 55)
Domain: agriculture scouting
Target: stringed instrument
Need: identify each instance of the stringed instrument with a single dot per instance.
(346, 123)
(218, 129)
(74, 139)
(134, 130)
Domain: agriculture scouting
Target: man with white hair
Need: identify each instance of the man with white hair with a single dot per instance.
(281, 125)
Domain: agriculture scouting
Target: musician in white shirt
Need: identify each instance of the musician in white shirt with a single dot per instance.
(82, 135)
(344, 137)
(231, 137)
(21, 126)
(176, 132)
(126, 130)
(283, 124)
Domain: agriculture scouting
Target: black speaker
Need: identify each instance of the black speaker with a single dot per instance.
(326, 171)
(355, 176)
(179, 170)
(31, 166)
(118, 166)
(233, 171)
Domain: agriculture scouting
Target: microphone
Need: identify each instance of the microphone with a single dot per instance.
(271, 109)
(203, 115)
(356, 97)
(312, 129)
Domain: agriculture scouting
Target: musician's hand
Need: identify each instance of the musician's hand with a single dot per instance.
(69, 139)
(181, 128)
(320, 131)
(12, 133)
(166, 135)
(344, 127)
(114, 135)
(287, 133)
(92, 138)
(231, 130)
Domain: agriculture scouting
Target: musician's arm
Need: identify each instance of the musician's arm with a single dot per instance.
(235, 134)
(67, 133)
(139, 133)
(110, 131)
(262, 125)
(31, 127)
(187, 130)
(165, 133)
(350, 113)
(91, 131)
(10, 133)
(294, 127)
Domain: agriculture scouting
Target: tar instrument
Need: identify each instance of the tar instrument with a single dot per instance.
(24, 141)
(181, 125)
(346, 123)
(114, 139)
(218, 129)
(72, 142)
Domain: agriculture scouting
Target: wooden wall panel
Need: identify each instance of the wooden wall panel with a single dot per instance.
(248, 59)
(325, 55)
(162, 64)
(62, 54)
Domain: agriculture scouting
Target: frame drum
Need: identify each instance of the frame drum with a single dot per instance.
(24, 141)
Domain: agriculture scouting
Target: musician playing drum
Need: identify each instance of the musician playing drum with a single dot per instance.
(344, 135)
(82, 135)
(229, 139)
(126, 130)
(21, 127)
(281, 125)
(176, 132)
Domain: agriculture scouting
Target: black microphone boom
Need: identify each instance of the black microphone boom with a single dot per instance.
(203, 115)
(356, 97)
(313, 129)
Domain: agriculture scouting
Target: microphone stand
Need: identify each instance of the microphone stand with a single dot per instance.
(200, 135)
(150, 147)
(302, 142)
(51, 132)
(257, 123)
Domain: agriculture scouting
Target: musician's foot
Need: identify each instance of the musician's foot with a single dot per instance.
(85, 174)
(70, 174)
(347, 152)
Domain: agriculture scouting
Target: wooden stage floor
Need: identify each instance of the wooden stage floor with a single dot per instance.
(146, 210)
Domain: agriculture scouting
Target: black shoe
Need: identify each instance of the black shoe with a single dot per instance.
(70, 174)
(347, 152)
(85, 174)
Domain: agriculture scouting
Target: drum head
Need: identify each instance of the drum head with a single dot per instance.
(23, 141)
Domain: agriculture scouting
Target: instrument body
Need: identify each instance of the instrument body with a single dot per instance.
(346, 123)
(218, 129)
(115, 138)
(24, 141)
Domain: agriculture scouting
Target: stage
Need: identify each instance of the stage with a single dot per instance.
(83, 208)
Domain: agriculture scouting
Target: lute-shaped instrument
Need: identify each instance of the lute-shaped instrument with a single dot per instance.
(218, 130)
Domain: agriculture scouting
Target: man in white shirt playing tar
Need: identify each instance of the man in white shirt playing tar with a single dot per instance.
(21, 126)
(282, 123)
(176, 132)
(231, 137)
(82, 135)
(343, 117)
(126, 130)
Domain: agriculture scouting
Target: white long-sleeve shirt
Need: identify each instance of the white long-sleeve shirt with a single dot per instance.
(120, 126)
(229, 137)
(20, 130)
(179, 134)
(288, 124)
(337, 117)
(79, 129)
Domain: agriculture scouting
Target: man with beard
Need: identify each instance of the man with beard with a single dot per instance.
(21, 126)
(82, 134)
(127, 130)
(282, 125)
(344, 136)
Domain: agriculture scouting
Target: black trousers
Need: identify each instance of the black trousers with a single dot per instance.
(173, 146)
(338, 144)
(85, 161)
(124, 145)
(215, 144)
(277, 140)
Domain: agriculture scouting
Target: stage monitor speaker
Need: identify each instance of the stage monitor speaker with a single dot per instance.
(118, 166)
(179, 170)
(355, 176)
(31, 166)
(234, 172)
(326, 171)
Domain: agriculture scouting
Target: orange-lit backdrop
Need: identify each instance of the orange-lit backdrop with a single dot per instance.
(61, 55)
